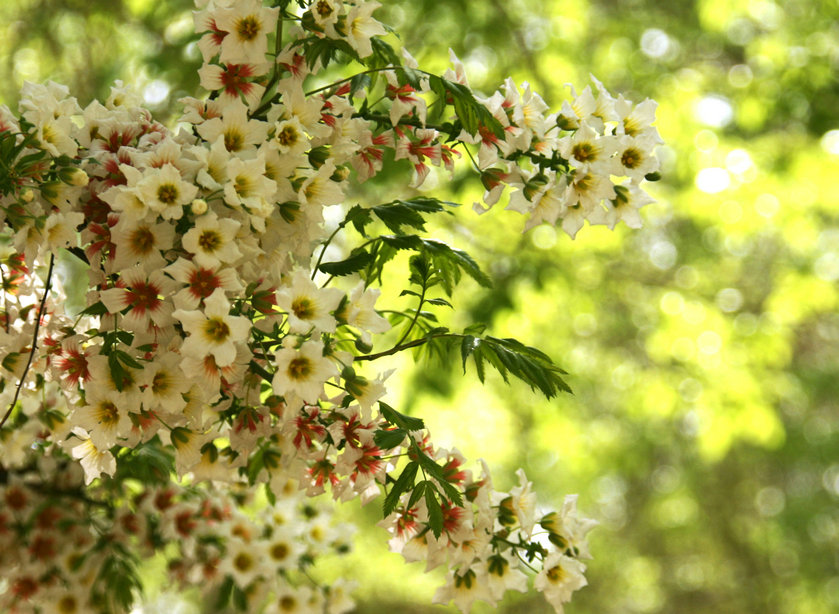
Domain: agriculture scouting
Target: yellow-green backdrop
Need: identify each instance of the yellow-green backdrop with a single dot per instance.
(703, 349)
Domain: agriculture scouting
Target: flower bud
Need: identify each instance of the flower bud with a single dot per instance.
(318, 155)
(198, 206)
(27, 195)
(340, 174)
(73, 176)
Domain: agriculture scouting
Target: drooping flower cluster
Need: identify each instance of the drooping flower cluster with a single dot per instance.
(212, 329)
(65, 549)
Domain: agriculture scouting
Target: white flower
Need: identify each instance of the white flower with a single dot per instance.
(142, 242)
(290, 136)
(239, 132)
(361, 27)
(248, 187)
(212, 240)
(95, 461)
(165, 384)
(524, 503)
(243, 560)
(213, 172)
(635, 158)
(560, 576)
(464, 587)
(308, 305)
(60, 229)
(104, 417)
(187, 444)
(586, 148)
(625, 207)
(302, 370)
(163, 191)
(214, 332)
(247, 23)
(637, 120)
(503, 574)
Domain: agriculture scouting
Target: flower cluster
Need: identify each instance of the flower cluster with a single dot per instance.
(212, 329)
(65, 548)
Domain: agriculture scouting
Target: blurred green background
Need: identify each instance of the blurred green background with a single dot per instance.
(703, 349)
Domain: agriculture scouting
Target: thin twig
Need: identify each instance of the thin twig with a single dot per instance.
(34, 341)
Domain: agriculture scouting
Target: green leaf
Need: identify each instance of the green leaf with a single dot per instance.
(439, 301)
(118, 579)
(269, 494)
(127, 359)
(471, 113)
(358, 259)
(326, 50)
(255, 465)
(435, 512)
(240, 599)
(96, 309)
(450, 262)
(408, 423)
(118, 372)
(359, 82)
(402, 485)
(387, 440)
(383, 54)
(417, 493)
(359, 217)
(511, 357)
(436, 471)
(224, 592)
(407, 213)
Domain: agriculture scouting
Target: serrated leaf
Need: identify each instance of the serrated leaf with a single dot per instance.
(417, 493)
(401, 486)
(435, 512)
(383, 53)
(387, 440)
(452, 493)
(359, 82)
(358, 259)
(511, 357)
(359, 217)
(408, 423)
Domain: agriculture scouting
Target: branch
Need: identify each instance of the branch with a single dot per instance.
(411, 344)
(34, 340)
